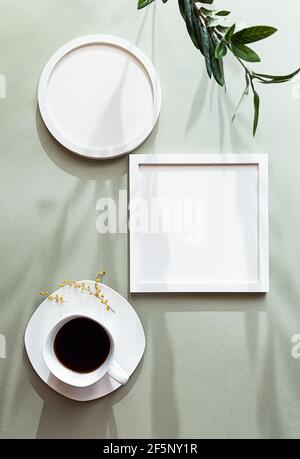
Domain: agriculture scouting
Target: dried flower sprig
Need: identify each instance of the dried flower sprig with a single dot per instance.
(84, 288)
(57, 298)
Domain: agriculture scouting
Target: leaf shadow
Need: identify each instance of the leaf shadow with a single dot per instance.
(198, 103)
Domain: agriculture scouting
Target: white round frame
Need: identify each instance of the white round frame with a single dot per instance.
(86, 151)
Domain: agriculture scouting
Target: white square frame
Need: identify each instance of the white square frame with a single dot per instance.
(137, 285)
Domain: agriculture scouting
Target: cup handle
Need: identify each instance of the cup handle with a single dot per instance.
(117, 373)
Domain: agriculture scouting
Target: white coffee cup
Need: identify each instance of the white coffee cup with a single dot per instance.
(73, 378)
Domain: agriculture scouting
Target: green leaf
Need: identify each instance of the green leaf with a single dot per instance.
(230, 33)
(211, 22)
(197, 33)
(223, 13)
(208, 2)
(216, 64)
(244, 95)
(187, 14)
(256, 102)
(253, 34)
(273, 81)
(206, 46)
(275, 78)
(143, 3)
(222, 29)
(221, 50)
(205, 11)
(245, 53)
(182, 8)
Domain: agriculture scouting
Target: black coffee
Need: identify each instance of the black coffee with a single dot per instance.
(82, 345)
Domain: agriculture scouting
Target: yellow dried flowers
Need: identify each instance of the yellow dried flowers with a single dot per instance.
(57, 298)
(96, 292)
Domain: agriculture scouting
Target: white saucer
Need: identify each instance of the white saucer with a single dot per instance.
(99, 96)
(130, 337)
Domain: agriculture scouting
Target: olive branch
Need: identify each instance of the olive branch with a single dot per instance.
(214, 40)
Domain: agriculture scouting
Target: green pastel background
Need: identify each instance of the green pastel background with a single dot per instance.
(215, 365)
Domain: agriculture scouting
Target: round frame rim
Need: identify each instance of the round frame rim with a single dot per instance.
(87, 152)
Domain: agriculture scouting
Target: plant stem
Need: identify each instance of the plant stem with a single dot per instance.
(91, 293)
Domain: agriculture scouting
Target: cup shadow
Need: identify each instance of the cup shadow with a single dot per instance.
(65, 418)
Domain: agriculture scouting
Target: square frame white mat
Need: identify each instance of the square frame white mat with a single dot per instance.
(199, 223)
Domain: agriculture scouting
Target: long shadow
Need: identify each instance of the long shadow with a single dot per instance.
(60, 417)
(279, 368)
(198, 103)
(49, 264)
(65, 418)
(269, 419)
